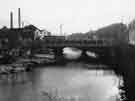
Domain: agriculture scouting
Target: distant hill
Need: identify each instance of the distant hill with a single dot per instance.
(117, 32)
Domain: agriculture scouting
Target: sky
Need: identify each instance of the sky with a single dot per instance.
(74, 15)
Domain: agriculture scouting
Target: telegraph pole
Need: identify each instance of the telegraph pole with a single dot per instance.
(61, 29)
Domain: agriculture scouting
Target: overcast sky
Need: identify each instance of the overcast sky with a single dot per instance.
(75, 15)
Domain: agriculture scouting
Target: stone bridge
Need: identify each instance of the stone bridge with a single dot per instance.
(103, 48)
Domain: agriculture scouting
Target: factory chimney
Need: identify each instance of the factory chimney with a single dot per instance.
(19, 17)
(11, 20)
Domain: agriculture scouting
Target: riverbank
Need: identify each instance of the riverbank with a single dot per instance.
(125, 60)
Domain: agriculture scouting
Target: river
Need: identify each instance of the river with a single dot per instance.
(71, 82)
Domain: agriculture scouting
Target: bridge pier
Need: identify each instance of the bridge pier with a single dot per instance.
(58, 52)
(83, 55)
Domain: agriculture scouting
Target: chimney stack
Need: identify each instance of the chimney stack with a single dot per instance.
(19, 17)
(11, 20)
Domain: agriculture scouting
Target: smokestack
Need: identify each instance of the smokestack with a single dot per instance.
(19, 17)
(11, 20)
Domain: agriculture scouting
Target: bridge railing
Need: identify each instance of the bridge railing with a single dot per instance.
(84, 43)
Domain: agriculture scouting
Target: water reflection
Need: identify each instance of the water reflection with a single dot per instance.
(15, 87)
(65, 82)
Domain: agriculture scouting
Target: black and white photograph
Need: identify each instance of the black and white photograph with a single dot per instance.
(67, 50)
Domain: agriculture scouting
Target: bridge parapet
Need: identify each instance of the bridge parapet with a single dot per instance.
(84, 43)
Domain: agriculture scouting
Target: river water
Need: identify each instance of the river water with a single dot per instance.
(71, 82)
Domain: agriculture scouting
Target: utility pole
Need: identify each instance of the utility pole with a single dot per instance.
(22, 24)
(61, 29)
